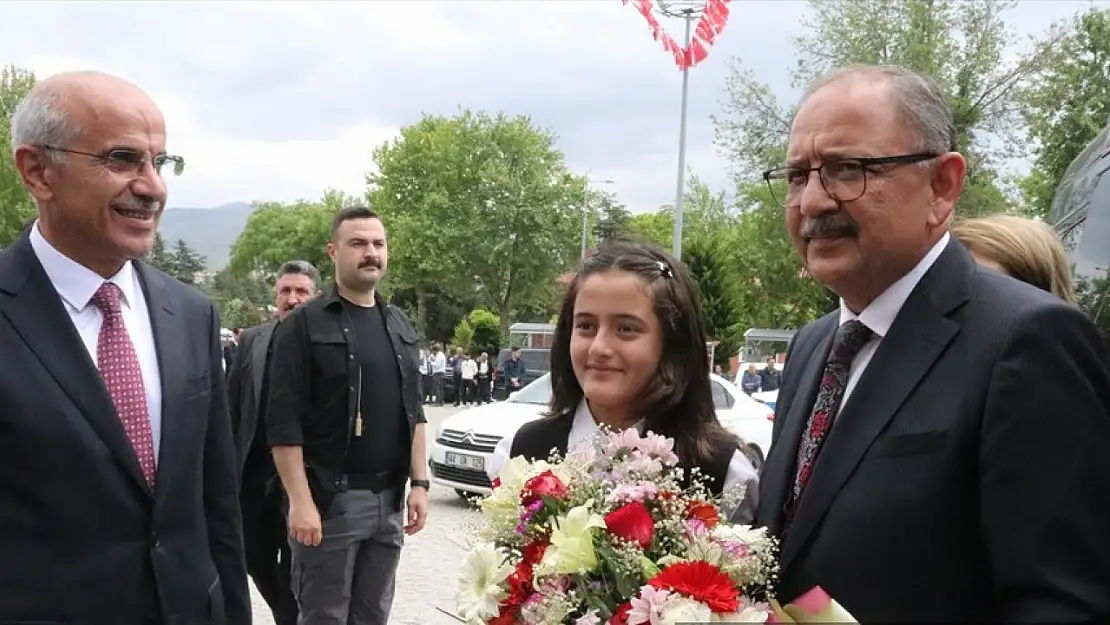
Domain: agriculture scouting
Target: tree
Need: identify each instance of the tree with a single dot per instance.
(773, 290)
(160, 258)
(276, 233)
(486, 335)
(480, 203)
(463, 334)
(16, 206)
(710, 262)
(443, 311)
(243, 300)
(1066, 107)
(613, 218)
(704, 213)
(187, 263)
(963, 44)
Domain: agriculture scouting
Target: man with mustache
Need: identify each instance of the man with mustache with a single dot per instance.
(939, 440)
(118, 494)
(346, 424)
(267, 550)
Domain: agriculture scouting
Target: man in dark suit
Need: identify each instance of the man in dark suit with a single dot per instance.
(118, 493)
(264, 529)
(939, 441)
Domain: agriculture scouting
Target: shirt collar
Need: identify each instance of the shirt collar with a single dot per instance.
(880, 314)
(75, 283)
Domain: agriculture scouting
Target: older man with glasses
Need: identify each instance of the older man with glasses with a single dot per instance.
(119, 499)
(939, 440)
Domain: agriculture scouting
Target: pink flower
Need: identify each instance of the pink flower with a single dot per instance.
(628, 493)
(647, 606)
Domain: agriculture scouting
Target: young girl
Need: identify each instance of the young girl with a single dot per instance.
(629, 351)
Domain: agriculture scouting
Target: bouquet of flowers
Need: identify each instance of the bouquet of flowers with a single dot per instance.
(613, 534)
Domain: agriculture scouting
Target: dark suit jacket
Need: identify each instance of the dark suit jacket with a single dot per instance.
(244, 386)
(966, 478)
(82, 537)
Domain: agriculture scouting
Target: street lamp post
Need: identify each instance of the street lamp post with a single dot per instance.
(586, 212)
(689, 11)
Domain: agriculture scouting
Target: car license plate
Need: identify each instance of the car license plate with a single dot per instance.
(463, 461)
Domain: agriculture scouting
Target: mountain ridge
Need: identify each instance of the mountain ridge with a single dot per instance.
(209, 231)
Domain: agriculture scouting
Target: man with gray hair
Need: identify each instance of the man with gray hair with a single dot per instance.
(118, 494)
(939, 440)
(264, 534)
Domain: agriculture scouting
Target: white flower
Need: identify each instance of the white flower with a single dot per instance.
(746, 614)
(683, 610)
(589, 618)
(480, 583)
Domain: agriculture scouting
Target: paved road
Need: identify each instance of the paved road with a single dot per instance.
(430, 561)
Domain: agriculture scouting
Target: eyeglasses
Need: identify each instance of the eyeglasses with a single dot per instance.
(128, 161)
(844, 180)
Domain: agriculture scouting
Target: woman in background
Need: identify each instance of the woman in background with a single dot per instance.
(1023, 248)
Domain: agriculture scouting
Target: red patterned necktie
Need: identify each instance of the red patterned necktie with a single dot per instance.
(848, 341)
(119, 367)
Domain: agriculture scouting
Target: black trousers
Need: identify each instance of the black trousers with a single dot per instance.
(265, 538)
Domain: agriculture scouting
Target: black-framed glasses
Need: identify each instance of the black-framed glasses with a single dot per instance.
(128, 161)
(844, 179)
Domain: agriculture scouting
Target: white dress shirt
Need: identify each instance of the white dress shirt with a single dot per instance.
(880, 313)
(469, 369)
(740, 472)
(76, 285)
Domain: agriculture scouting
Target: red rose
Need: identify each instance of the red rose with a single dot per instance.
(620, 617)
(707, 513)
(632, 522)
(543, 485)
(533, 552)
(496, 483)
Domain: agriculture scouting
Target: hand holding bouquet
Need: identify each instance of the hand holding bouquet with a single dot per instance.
(614, 535)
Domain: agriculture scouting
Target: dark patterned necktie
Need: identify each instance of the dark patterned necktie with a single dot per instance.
(848, 341)
(119, 367)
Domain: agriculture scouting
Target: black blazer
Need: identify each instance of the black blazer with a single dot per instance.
(246, 379)
(82, 537)
(966, 478)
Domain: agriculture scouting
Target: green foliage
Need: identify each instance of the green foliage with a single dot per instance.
(964, 44)
(486, 336)
(1067, 106)
(277, 233)
(1093, 295)
(463, 335)
(187, 263)
(479, 331)
(243, 300)
(183, 262)
(711, 262)
(16, 206)
(613, 218)
(485, 194)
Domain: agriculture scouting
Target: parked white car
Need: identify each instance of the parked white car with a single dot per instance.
(465, 441)
(767, 397)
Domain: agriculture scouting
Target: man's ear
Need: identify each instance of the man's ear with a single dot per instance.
(34, 170)
(947, 184)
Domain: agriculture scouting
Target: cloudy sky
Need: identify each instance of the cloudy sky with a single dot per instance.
(278, 100)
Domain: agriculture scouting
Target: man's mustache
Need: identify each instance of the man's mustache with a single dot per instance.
(829, 225)
(134, 203)
(370, 262)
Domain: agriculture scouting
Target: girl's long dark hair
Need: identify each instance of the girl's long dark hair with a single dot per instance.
(678, 402)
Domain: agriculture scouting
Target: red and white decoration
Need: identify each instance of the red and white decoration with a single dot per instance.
(714, 16)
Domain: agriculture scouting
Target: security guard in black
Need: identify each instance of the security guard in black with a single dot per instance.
(324, 353)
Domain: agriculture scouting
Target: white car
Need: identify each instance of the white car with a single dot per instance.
(465, 441)
(767, 397)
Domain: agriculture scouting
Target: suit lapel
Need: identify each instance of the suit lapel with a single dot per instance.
(169, 342)
(259, 346)
(917, 338)
(37, 314)
(778, 474)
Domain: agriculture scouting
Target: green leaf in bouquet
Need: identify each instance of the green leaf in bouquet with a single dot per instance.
(649, 568)
(552, 506)
(604, 608)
